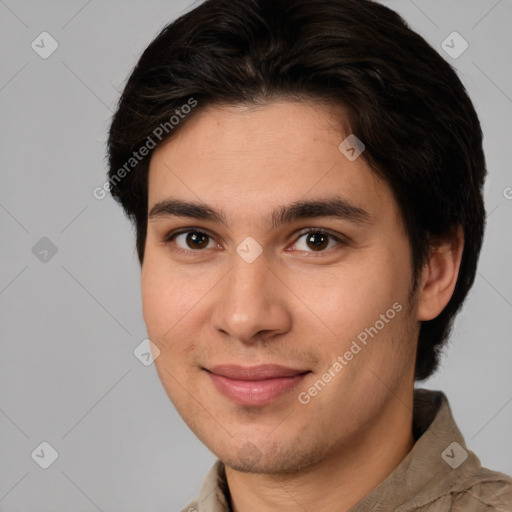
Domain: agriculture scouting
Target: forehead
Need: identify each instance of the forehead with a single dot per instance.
(247, 160)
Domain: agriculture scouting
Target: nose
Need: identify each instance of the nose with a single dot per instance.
(252, 302)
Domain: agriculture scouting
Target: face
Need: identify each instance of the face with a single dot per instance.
(263, 277)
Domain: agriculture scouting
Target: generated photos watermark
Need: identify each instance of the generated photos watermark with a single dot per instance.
(157, 135)
(341, 361)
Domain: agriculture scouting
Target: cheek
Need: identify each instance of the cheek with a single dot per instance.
(156, 299)
(172, 298)
(352, 300)
(354, 294)
(161, 299)
(168, 315)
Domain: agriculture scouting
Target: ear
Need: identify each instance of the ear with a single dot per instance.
(439, 275)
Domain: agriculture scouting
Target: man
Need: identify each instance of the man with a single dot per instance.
(305, 178)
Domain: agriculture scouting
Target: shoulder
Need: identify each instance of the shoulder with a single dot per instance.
(484, 491)
(214, 493)
(191, 507)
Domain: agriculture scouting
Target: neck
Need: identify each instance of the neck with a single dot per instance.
(338, 482)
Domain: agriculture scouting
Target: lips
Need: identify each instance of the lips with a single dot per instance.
(261, 372)
(255, 385)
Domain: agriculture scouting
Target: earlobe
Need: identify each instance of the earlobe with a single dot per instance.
(439, 275)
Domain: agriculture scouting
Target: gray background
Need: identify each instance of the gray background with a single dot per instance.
(68, 375)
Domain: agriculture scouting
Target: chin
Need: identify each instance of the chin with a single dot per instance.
(271, 459)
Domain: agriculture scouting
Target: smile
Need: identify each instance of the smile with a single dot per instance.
(255, 386)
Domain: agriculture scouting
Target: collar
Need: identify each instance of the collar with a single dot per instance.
(433, 468)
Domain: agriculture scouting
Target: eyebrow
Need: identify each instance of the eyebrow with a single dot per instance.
(335, 207)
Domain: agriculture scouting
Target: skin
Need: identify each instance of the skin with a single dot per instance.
(294, 305)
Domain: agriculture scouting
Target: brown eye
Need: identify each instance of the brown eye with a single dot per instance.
(192, 240)
(317, 241)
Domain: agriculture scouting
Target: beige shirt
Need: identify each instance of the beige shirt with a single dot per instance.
(438, 475)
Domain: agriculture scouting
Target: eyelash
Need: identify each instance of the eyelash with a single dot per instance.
(170, 237)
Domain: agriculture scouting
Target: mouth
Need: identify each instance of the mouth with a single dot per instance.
(255, 385)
